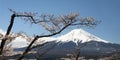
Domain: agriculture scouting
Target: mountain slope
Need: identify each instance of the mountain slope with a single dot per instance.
(18, 40)
(93, 49)
(77, 35)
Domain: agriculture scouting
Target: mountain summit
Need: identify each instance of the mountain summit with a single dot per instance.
(77, 35)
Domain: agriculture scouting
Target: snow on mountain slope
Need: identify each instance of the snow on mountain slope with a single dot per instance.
(19, 42)
(46, 39)
(78, 35)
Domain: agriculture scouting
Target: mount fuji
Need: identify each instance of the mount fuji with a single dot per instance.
(94, 47)
(78, 35)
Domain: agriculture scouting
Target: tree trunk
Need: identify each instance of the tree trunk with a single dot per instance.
(8, 32)
(78, 54)
(28, 48)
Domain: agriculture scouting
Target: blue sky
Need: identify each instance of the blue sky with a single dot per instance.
(108, 11)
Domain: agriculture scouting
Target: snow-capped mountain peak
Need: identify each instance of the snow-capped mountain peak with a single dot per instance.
(78, 35)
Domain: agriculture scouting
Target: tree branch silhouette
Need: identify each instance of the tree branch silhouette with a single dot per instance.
(55, 25)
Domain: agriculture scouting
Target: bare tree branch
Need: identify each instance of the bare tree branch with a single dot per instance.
(54, 25)
(36, 38)
(10, 27)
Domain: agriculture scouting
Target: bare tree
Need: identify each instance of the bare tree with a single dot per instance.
(51, 23)
(78, 49)
(75, 55)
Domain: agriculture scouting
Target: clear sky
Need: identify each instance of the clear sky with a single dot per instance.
(108, 11)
